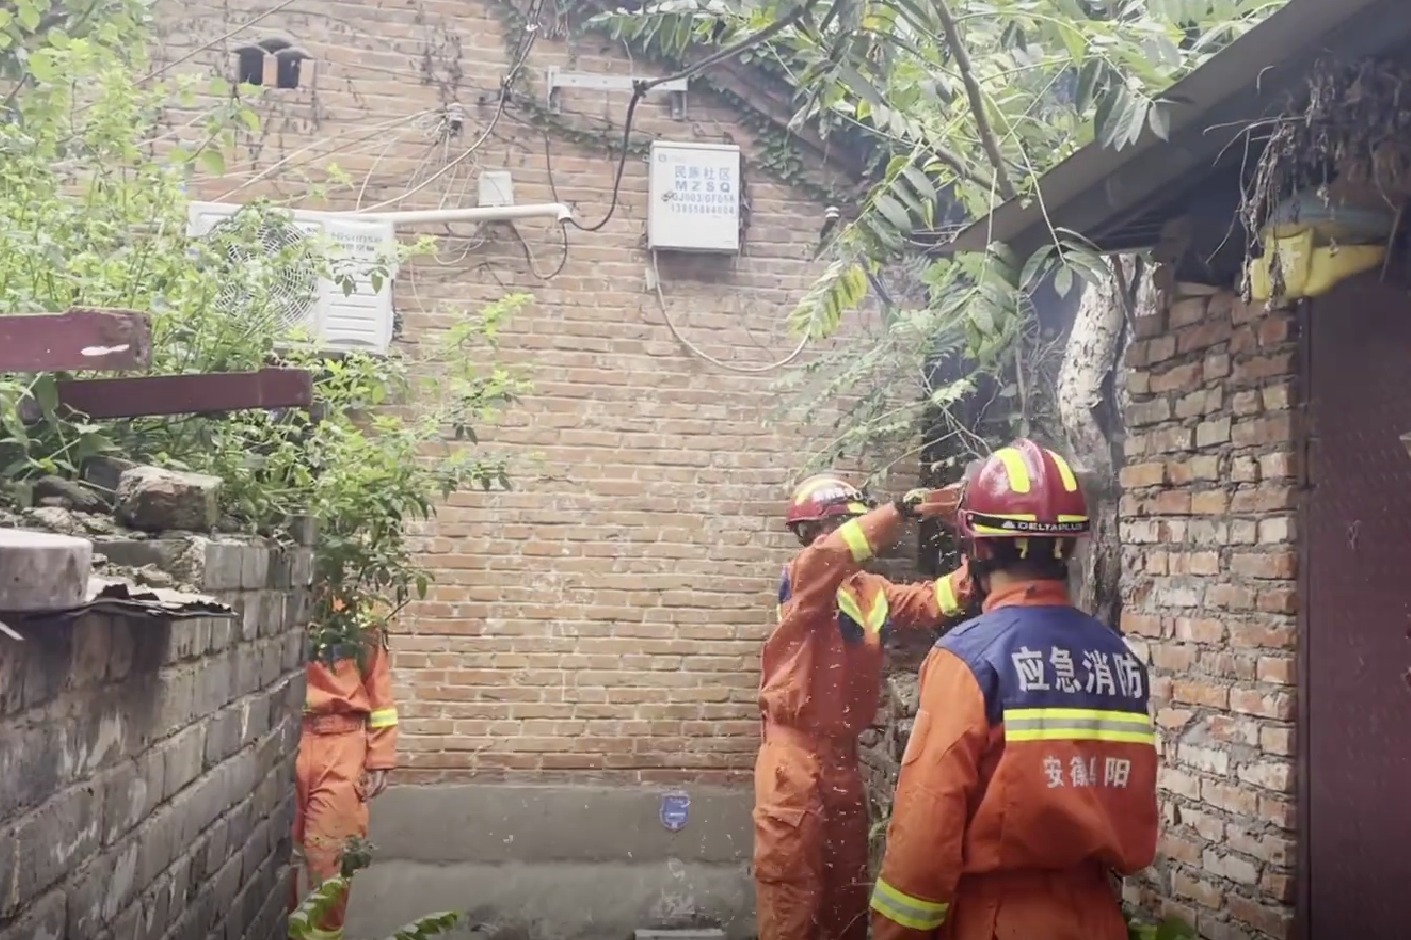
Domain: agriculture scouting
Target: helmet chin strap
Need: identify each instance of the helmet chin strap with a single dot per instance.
(976, 569)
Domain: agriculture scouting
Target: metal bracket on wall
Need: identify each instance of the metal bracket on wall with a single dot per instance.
(557, 79)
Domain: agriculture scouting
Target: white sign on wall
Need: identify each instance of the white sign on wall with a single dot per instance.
(694, 197)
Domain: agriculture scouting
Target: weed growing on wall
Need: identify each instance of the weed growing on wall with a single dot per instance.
(94, 213)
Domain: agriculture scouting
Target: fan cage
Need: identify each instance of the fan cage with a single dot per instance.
(290, 290)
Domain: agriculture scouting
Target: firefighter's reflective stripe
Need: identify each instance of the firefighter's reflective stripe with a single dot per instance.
(946, 598)
(870, 618)
(856, 539)
(910, 912)
(1077, 724)
(382, 718)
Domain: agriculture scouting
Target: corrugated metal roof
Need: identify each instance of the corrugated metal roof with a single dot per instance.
(1119, 199)
(121, 596)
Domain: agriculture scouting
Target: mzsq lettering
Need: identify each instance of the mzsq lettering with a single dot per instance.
(1096, 674)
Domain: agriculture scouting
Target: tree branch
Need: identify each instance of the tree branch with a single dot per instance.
(977, 99)
(734, 49)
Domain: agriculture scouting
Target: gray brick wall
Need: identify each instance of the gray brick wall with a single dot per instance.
(147, 765)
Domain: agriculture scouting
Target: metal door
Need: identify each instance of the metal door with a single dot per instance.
(1357, 585)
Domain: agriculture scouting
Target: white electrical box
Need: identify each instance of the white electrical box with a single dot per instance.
(694, 197)
(496, 188)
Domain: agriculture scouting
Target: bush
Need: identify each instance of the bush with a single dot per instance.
(93, 213)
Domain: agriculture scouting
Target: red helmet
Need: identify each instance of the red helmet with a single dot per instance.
(823, 496)
(1023, 491)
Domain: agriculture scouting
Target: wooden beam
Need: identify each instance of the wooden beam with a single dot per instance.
(147, 396)
(80, 340)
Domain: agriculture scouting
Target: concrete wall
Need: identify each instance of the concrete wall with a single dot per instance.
(1209, 582)
(601, 622)
(148, 764)
(557, 862)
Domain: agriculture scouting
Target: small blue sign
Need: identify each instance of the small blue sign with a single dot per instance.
(675, 811)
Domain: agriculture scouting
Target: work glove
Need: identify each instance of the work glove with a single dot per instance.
(925, 503)
(909, 504)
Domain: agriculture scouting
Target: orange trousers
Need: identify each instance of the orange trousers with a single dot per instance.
(810, 844)
(1019, 905)
(329, 806)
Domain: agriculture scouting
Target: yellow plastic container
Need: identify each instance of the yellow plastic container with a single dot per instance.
(1308, 271)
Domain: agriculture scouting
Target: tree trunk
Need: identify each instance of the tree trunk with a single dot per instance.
(1090, 400)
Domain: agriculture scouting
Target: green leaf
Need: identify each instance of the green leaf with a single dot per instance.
(1063, 281)
(212, 161)
(27, 12)
(894, 212)
(1159, 118)
(44, 66)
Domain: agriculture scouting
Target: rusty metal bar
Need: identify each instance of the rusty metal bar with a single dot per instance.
(147, 396)
(80, 340)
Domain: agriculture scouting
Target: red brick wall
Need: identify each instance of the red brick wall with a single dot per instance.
(604, 618)
(1210, 568)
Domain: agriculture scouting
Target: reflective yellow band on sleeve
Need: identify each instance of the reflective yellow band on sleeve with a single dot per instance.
(1077, 724)
(912, 913)
(848, 604)
(873, 619)
(856, 540)
(945, 597)
(382, 718)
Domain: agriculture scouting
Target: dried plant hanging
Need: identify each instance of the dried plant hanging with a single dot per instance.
(1349, 146)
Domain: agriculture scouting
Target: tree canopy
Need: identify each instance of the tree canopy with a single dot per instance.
(964, 104)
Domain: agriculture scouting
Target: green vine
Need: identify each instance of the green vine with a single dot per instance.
(778, 157)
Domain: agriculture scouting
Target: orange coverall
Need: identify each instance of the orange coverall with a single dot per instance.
(1029, 776)
(350, 726)
(821, 676)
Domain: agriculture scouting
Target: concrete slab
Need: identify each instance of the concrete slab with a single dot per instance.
(554, 901)
(557, 862)
(517, 823)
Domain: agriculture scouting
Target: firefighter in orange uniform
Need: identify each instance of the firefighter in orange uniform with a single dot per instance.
(1030, 775)
(348, 745)
(821, 677)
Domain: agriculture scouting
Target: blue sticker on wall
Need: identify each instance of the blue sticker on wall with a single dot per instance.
(675, 811)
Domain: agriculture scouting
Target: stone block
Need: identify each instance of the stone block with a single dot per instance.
(182, 756)
(152, 499)
(215, 686)
(41, 571)
(131, 791)
(58, 837)
(224, 566)
(254, 567)
(224, 736)
(46, 919)
(176, 702)
(301, 572)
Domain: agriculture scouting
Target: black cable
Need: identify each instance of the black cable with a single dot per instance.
(638, 90)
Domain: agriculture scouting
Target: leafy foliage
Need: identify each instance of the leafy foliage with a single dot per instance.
(304, 921)
(93, 212)
(965, 103)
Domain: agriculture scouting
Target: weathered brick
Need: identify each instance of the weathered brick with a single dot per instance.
(1143, 475)
(1278, 705)
(1212, 433)
(1201, 692)
(1268, 565)
(1233, 867)
(1199, 630)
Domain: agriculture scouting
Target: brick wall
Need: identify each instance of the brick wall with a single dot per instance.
(148, 764)
(604, 618)
(1208, 528)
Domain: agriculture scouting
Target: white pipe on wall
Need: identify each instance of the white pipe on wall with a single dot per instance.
(543, 210)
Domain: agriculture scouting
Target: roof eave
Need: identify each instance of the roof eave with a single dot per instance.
(1097, 185)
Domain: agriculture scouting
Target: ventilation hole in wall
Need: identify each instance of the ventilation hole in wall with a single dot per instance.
(270, 63)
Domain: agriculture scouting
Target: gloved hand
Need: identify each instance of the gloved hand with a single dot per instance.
(930, 504)
(910, 503)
